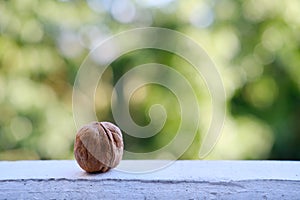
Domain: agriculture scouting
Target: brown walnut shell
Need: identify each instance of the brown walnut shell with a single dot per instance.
(98, 147)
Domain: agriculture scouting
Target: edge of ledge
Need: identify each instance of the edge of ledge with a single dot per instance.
(179, 171)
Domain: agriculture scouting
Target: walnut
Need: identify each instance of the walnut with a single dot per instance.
(98, 147)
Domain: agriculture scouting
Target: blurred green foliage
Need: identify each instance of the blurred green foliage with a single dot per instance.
(255, 45)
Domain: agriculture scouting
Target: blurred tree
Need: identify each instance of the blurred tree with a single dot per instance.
(256, 47)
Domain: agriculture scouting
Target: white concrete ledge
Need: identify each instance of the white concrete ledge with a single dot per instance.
(181, 180)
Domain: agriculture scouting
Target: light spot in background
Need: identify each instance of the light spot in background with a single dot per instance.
(123, 11)
(137, 79)
(253, 11)
(98, 5)
(291, 64)
(69, 44)
(262, 55)
(143, 18)
(156, 3)
(91, 36)
(258, 11)
(244, 138)
(32, 31)
(49, 60)
(272, 38)
(2, 89)
(25, 94)
(139, 96)
(52, 144)
(252, 68)
(262, 93)
(21, 93)
(25, 5)
(256, 137)
(12, 58)
(102, 96)
(9, 22)
(30, 59)
(19, 154)
(291, 12)
(56, 141)
(101, 57)
(227, 43)
(226, 9)
(202, 15)
(233, 79)
(21, 127)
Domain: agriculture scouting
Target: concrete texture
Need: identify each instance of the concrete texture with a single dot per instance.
(181, 180)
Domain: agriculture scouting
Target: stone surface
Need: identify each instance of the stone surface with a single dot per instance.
(181, 180)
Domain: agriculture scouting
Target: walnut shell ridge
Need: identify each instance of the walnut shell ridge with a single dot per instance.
(98, 146)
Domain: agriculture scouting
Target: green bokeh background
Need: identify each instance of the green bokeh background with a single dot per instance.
(255, 45)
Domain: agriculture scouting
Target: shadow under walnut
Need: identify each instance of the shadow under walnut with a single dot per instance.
(98, 147)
